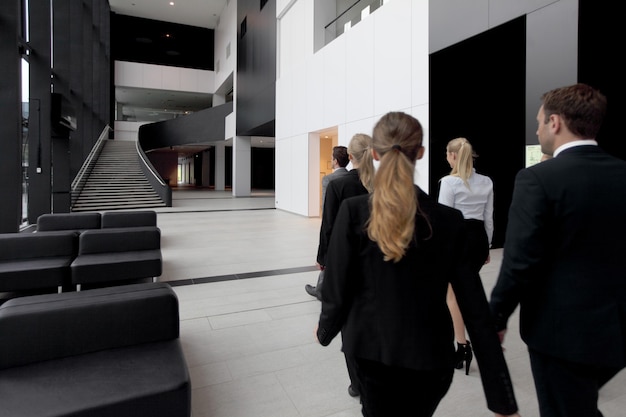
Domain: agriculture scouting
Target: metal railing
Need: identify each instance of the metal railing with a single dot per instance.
(352, 15)
(162, 189)
(85, 170)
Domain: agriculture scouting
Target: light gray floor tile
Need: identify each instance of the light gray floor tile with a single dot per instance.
(249, 342)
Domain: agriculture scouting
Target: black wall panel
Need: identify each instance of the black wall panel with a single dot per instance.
(10, 128)
(600, 39)
(256, 68)
(477, 90)
(161, 43)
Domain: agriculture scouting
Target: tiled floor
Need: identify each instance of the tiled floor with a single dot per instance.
(239, 268)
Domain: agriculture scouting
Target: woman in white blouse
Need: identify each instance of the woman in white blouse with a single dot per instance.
(472, 194)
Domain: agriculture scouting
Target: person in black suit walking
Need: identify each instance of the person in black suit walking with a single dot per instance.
(340, 161)
(356, 181)
(391, 256)
(563, 257)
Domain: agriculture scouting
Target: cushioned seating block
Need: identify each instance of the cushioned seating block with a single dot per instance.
(116, 266)
(137, 218)
(105, 352)
(146, 380)
(121, 239)
(117, 254)
(34, 261)
(68, 221)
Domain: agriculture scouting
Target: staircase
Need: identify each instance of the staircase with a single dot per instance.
(117, 181)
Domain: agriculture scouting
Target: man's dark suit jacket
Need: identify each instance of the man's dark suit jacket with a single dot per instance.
(339, 189)
(396, 313)
(326, 179)
(564, 258)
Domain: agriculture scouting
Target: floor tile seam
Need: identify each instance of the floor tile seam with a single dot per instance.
(243, 275)
(212, 210)
(249, 310)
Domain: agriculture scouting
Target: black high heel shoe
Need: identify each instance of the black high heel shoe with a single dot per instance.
(464, 354)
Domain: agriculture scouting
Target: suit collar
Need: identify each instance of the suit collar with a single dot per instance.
(574, 143)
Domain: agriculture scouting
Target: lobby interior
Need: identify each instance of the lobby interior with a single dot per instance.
(239, 267)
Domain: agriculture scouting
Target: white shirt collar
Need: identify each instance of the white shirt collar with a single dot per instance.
(574, 143)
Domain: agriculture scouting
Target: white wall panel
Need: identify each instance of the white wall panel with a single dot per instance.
(283, 194)
(422, 167)
(501, 11)
(334, 82)
(419, 57)
(392, 66)
(314, 183)
(132, 74)
(128, 74)
(451, 21)
(314, 92)
(170, 78)
(226, 34)
(284, 126)
(299, 105)
(152, 76)
(359, 57)
(299, 175)
(365, 125)
(230, 126)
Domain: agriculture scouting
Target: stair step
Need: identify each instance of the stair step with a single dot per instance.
(117, 181)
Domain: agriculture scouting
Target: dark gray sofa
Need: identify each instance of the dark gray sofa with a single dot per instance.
(117, 254)
(30, 261)
(109, 352)
(127, 218)
(69, 221)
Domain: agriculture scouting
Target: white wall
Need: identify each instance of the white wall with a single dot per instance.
(452, 21)
(126, 130)
(379, 65)
(226, 38)
(161, 77)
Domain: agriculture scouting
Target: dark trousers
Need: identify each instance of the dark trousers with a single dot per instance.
(477, 242)
(566, 389)
(389, 391)
(352, 372)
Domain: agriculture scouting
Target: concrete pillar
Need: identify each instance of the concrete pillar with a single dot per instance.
(220, 175)
(242, 156)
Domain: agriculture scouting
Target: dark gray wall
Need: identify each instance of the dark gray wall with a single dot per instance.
(484, 102)
(10, 128)
(82, 74)
(256, 69)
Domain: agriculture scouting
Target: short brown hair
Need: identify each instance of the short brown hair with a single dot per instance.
(581, 107)
(340, 154)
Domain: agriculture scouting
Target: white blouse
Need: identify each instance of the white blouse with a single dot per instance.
(475, 202)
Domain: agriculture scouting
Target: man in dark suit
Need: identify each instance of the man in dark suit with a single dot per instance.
(563, 258)
(340, 161)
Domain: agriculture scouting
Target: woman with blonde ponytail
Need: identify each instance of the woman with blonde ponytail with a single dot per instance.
(358, 181)
(391, 256)
(472, 193)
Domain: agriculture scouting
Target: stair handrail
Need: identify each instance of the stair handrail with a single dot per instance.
(162, 189)
(87, 167)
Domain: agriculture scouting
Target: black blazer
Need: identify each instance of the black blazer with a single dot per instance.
(563, 258)
(396, 313)
(339, 189)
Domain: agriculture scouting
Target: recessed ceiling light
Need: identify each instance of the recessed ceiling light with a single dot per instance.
(171, 3)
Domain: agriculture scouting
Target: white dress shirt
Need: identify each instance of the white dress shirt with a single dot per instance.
(475, 202)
